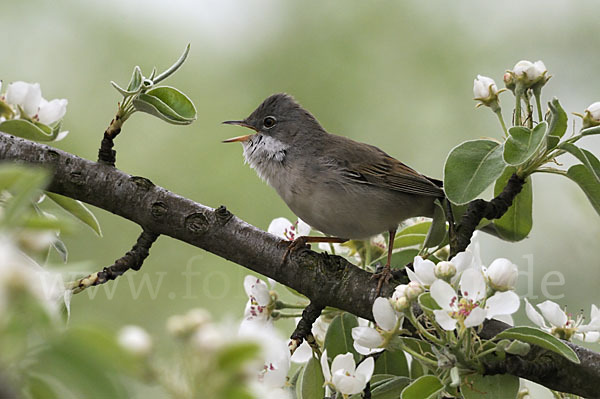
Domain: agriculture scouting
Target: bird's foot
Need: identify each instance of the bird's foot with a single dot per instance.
(383, 276)
(299, 243)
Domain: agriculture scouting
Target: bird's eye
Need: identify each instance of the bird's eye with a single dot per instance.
(269, 122)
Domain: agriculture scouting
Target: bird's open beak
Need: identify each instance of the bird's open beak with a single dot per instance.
(239, 138)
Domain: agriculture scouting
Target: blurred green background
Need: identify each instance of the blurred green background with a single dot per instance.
(398, 75)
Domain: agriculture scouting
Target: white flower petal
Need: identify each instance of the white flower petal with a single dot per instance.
(505, 318)
(472, 285)
(424, 269)
(534, 315)
(503, 274)
(444, 320)
(257, 289)
(363, 350)
(26, 95)
(53, 111)
(61, 135)
(325, 367)
(367, 337)
(280, 227)
(343, 362)
(592, 336)
(476, 317)
(553, 313)
(385, 316)
(443, 293)
(502, 303)
(365, 368)
(348, 384)
(594, 110)
(303, 228)
(303, 353)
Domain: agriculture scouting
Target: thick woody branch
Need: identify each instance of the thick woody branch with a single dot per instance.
(324, 279)
(310, 314)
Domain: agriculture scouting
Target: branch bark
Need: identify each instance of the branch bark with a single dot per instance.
(324, 279)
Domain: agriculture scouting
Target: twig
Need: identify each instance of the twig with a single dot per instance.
(303, 330)
(479, 209)
(133, 260)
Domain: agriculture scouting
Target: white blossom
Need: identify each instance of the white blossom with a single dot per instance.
(502, 274)
(344, 376)
(424, 271)
(259, 306)
(368, 340)
(530, 72)
(484, 87)
(135, 340)
(283, 228)
(28, 96)
(470, 308)
(594, 111)
(563, 325)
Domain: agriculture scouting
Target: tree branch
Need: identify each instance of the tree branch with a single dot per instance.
(324, 279)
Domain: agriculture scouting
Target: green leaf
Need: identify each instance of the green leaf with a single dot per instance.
(402, 258)
(389, 388)
(77, 209)
(517, 222)
(312, 380)
(168, 104)
(173, 68)
(523, 143)
(416, 369)
(586, 158)
(417, 228)
(558, 123)
(427, 302)
(587, 182)
(26, 185)
(136, 80)
(339, 336)
(499, 386)
(590, 131)
(425, 387)
(540, 338)
(60, 247)
(393, 363)
(27, 130)
(470, 168)
(437, 232)
(409, 240)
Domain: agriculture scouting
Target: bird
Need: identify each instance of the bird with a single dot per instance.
(340, 187)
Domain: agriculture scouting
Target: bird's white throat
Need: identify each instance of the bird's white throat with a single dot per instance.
(266, 155)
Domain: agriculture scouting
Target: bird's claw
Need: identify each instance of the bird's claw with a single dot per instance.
(297, 244)
(383, 277)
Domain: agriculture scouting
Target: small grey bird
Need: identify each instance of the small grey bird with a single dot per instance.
(343, 188)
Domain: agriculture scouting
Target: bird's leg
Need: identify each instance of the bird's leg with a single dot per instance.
(302, 241)
(386, 274)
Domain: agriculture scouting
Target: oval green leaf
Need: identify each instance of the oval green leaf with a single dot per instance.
(470, 168)
(425, 387)
(339, 336)
(590, 131)
(517, 222)
(586, 158)
(408, 240)
(77, 209)
(176, 100)
(390, 388)
(587, 182)
(417, 228)
(437, 231)
(500, 386)
(558, 123)
(136, 80)
(393, 363)
(522, 144)
(540, 338)
(312, 380)
(27, 130)
(427, 303)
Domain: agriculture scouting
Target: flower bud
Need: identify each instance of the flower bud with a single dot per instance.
(135, 340)
(592, 115)
(484, 87)
(413, 290)
(531, 73)
(445, 270)
(502, 275)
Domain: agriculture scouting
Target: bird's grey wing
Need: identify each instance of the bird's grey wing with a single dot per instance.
(370, 165)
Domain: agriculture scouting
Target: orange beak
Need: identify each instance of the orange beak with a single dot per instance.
(239, 138)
